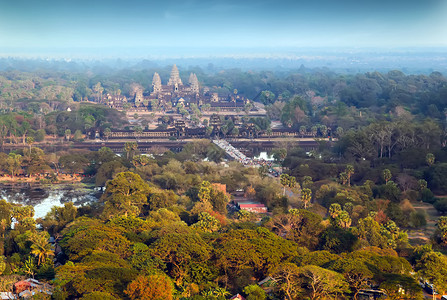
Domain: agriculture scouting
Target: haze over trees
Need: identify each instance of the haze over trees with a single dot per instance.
(340, 220)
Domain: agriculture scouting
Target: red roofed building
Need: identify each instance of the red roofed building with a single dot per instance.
(28, 287)
(237, 297)
(253, 207)
(21, 286)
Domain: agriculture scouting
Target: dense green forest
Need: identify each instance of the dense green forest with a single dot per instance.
(340, 215)
(161, 228)
(324, 97)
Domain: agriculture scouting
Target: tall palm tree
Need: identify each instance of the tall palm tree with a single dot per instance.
(284, 180)
(349, 172)
(40, 247)
(30, 141)
(130, 148)
(107, 133)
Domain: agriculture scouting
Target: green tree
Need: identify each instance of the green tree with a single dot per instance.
(205, 191)
(107, 133)
(430, 159)
(181, 252)
(130, 148)
(29, 267)
(284, 179)
(398, 286)
(343, 178)
(254, 292)
(267, 97)
(324, 130)
(215, 293)
(337, 239)
(2, 264)
(307, 182)
(235, 132)
(298, 225)
(303, 130)
(78, 135)
(99, 90)
(140, 160)
(306, 197)
(13, 163)
(323, 283)
(369, 230)
(84, 237)
(162, 199)
(355, 271)
(40, 135)
(343, 220)
(108, 170)
(219, 201)
(287, 277)
(153, 287)
(35, 162)
(334, 210)
(441, 205)
(441, 230)
(422, 184)
(263, 250)
(386, 175)
(58, 217)
(349, 172)
(67, 134)
(206, 223)
(24, 128)
(30, 142)
(292, 182)
(73, 163)
(433, 267)
(40, 247)
(126, 194)
(269, 132)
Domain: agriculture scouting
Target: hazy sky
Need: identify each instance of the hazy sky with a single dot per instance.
(213, 24)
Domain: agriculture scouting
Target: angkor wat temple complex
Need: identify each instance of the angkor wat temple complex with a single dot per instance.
(174, 95)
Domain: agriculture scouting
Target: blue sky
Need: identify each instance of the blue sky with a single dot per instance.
(212, 25)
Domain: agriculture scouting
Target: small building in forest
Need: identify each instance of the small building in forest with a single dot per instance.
(237, 297)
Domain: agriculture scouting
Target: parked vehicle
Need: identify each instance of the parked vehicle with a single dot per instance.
(371, 294)
(429, 288)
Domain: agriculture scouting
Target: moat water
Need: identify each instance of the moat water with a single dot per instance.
(44, 197)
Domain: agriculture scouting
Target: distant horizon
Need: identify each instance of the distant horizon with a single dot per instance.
(341, 60)
(157, 53)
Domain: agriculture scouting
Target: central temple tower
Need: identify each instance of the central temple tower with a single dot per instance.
(175, 77)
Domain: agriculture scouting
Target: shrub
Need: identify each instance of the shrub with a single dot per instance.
(418, 219)
(441, 205)
(426, 195)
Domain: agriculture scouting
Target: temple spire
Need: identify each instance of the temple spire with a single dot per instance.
(194, 83)
(175, 77)
(156, 84)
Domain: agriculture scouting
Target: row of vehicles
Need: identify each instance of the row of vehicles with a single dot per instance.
(377, 294)
(371, 294)
(430, 289)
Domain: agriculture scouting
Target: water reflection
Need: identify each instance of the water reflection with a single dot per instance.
(42, 198)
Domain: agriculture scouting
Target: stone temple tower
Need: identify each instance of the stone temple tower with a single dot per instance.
(175, 80)
(156, 84)
(194, 83)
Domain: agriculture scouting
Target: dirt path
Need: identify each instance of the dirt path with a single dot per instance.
(423, 235)
(61, 178)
